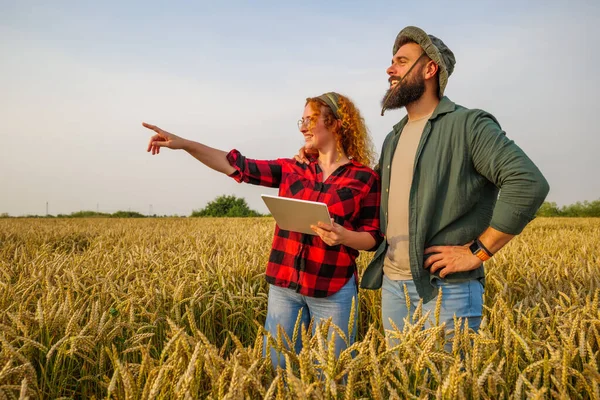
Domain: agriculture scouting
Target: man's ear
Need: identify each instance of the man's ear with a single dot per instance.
(431, 69)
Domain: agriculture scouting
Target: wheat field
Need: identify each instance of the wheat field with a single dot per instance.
(173, 308)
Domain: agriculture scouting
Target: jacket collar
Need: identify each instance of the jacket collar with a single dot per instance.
(444, 106)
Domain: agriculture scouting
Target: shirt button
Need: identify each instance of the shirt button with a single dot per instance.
(388, 167)
(386, 190)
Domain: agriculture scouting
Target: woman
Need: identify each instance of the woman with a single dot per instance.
(315, 275)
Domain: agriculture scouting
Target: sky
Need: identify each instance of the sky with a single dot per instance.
(77, 78)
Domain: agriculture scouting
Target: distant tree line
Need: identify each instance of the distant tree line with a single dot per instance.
(579, 209)
(232, 206)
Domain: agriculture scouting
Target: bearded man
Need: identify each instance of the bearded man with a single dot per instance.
(455, 190)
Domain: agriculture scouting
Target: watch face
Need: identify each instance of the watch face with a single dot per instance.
(474, 248)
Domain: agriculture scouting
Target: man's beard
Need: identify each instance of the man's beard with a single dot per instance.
(407, 93)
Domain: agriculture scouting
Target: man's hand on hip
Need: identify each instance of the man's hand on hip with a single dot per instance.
(451, 259)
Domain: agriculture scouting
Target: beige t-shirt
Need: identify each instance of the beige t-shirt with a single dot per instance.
(396, 265)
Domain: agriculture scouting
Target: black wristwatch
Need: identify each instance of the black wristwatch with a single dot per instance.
(480, 251)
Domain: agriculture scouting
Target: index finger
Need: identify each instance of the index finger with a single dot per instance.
(325, 226)
(434, 249)
(150, 126)
(320, 232)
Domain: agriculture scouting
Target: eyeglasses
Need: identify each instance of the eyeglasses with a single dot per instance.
(304, 121)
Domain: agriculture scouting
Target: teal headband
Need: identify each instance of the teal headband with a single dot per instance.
(332, 101)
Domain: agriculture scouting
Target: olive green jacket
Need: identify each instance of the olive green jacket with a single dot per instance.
(467, 176)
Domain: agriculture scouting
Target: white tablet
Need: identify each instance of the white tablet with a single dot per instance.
(296, 215)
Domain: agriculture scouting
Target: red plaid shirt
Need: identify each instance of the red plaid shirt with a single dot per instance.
(304, 262)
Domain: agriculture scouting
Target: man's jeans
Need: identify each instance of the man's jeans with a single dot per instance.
(285, 304)
(463, 299)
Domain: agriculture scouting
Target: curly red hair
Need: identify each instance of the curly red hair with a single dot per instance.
(352, 137)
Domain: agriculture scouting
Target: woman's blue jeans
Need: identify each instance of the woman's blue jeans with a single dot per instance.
(285, 304)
